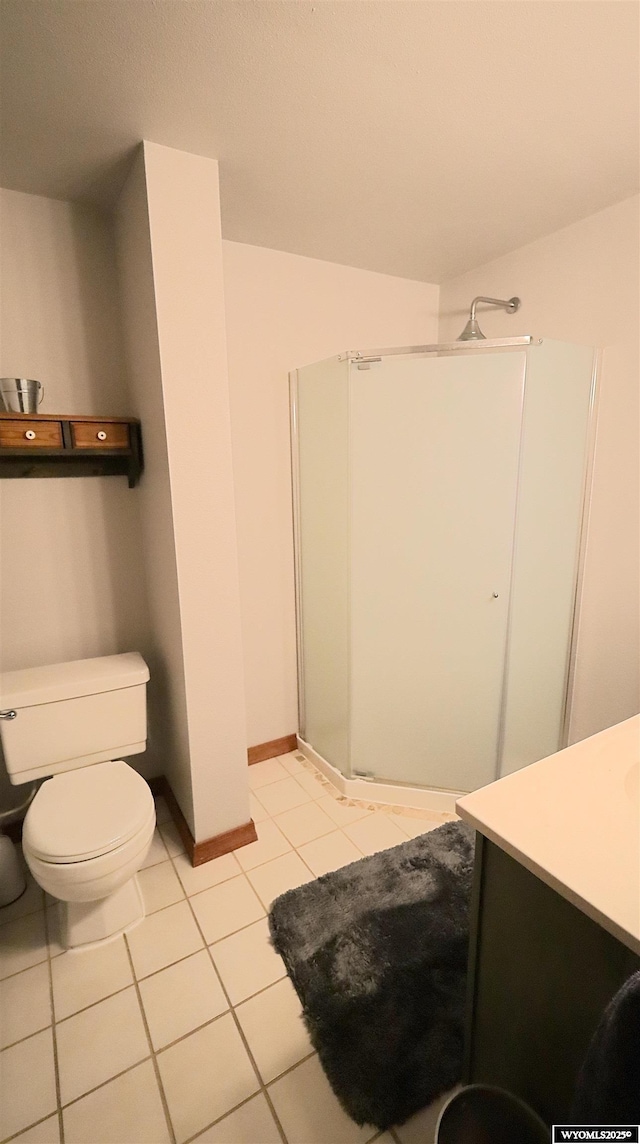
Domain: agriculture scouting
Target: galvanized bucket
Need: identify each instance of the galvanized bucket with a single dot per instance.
(21, 394)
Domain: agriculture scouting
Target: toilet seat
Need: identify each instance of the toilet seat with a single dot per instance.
(84, 814)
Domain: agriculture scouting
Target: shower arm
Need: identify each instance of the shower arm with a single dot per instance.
(510, 305)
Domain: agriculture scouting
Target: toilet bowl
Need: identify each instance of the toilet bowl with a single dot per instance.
(85, 836)
(89, 828)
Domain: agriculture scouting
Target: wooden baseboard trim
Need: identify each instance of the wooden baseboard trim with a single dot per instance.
(210, 848)
(223, 843)
(269, 750)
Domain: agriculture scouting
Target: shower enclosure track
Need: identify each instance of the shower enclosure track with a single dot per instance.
(442, 347)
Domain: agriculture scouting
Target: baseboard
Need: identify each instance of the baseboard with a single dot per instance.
(274, 747)
(209, 848)
(223, 843)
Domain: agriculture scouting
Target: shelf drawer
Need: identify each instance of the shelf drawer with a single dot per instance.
(99, 435)
(20, 434)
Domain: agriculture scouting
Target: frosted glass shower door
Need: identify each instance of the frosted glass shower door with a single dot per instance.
(434, 470)
(321, 430)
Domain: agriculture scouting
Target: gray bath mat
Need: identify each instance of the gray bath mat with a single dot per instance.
(377, 952)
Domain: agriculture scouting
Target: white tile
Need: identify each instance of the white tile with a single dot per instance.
(205, 1075)
(157, 851)
(197, 878)
(412, 827)
(329, 853)
(226, 908)
(312, 782)
(163, 938)
(22, 944)
(29, 902)
(421, 1128)
(179, 999)
(126, 1109)
(271, 844)
(276, 1034)
(82, 977)
(99, 1042)
(163, 813)
(256, 809)
(283, 795)
(247, 962)
(25, 1004)
(341, 813)
(292, 763)
(160, 887)
(171, 838)
(275, 878)
(260, 774)
(375, 833)
(27, 1083)
(304, 823)
(46, 1132)
(310, 1113)
(252, 1123)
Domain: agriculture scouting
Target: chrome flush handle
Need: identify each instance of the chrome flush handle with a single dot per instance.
(10, 714)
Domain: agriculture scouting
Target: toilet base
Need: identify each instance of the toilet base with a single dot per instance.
(89, 923)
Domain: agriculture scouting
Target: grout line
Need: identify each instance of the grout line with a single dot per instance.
(26, 1037)
(56, 1063)
(156, 1069)
(92, 1004)
(104, 1083)
(262, 1086)
(10, 976)
(20, 917)
(36, 1123)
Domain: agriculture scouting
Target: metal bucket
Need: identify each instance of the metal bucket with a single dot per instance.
(482, 1114)
(21, 394)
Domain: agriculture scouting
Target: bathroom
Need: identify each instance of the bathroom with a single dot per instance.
(92, 568)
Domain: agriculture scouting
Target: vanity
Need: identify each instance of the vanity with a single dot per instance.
(555, 920)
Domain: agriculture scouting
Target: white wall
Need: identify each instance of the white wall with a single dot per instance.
(285, 311)
(168, 228)
(581, 284)
(71, 581)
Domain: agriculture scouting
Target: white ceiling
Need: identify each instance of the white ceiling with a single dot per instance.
(417, 138)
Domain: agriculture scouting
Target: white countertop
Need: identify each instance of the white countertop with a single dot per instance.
(573, 819)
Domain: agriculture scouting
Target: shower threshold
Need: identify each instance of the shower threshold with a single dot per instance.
(379, 791)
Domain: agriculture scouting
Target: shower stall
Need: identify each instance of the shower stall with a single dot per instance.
(439, 500)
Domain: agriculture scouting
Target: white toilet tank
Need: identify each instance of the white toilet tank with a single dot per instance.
(69, 715)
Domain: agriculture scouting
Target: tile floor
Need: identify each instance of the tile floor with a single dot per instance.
(187, 1029)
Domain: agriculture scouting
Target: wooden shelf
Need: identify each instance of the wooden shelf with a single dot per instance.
(59, 445)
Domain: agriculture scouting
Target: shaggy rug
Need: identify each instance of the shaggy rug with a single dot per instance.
(377, 953)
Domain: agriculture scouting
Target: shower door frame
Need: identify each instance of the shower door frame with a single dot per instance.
(435, 350)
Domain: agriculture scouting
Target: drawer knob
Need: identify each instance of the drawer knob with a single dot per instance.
(101, 435)
(30, 435)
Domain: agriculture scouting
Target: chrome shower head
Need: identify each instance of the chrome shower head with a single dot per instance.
(472, 331)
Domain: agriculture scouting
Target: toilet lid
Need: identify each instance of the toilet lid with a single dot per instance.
(81, 814)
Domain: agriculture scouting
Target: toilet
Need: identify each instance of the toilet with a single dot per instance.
(90, 825)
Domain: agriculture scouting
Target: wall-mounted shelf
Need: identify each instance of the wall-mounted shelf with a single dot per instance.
(52, 445)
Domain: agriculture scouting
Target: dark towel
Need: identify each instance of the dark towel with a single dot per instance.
(608, 1088)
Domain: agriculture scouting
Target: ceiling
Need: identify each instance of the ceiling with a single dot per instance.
(417, 138)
